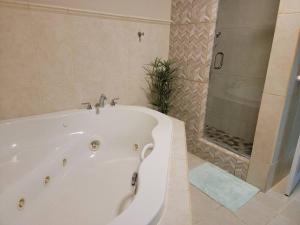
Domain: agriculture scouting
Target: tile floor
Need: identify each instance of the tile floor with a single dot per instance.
(271, 208)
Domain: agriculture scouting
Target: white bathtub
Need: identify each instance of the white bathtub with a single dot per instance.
(89, 187)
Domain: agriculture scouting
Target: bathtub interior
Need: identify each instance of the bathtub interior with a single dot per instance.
(87, 187)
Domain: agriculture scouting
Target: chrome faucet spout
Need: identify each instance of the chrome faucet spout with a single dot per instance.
(102, 100)
(101, 103)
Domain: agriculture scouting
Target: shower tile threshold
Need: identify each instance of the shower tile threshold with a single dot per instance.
(227, 160)
(270, 208)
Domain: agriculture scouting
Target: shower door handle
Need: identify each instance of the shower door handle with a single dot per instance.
(218, 61)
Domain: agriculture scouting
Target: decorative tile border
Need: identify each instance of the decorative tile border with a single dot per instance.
(231, 162)
(81, 12)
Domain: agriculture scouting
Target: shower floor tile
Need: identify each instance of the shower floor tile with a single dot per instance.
(232, 143)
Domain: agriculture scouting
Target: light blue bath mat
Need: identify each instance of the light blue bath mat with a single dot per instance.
(223, 187)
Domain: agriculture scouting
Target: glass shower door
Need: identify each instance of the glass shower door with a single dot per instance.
(243, 40)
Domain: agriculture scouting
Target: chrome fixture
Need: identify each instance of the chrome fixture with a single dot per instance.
(135, 147)
(21, 203)
(140, 34)
(298, 77)
(88, 105)
(113, 102)
(95, 145)
(218, 61)
(46, 180)
(101, 103)
(134, 182)
(64, 162)
(218, 34)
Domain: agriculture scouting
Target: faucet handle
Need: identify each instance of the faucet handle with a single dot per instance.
(88, 105)
(103, 96)
(113, 102)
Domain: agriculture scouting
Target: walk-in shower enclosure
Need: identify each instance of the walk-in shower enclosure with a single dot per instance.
(242, 45)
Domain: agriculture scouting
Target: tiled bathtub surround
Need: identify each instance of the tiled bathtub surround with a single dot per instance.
(54, 59)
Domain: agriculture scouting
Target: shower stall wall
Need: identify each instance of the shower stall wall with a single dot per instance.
(243, 40)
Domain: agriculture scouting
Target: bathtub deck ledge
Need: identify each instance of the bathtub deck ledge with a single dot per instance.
(177, 209)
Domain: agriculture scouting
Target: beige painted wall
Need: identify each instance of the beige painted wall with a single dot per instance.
(267, 164)
(51, 60)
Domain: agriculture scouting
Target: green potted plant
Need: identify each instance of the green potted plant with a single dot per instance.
(160, 75)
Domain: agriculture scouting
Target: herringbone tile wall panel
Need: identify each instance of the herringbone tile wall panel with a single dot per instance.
(198, 52)
(181, 11)
(191, 47)
(204, 11)
(241, 168)
(179, 42)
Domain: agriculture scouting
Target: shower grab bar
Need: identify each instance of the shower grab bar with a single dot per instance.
(145, 149)
(217, 67)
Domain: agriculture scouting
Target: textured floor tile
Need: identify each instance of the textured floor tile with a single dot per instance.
(194, 161)
(272, 200)
(256, 213)
(220, 216)
(296, 193)
(202, 205)
(292, 211)
(281, 220)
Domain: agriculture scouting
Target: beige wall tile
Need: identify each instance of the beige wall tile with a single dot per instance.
(267, 128)
(69, 59)
(18, 60)
(19, 102)
(258, 174)
(282, 54)
(289, 6)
